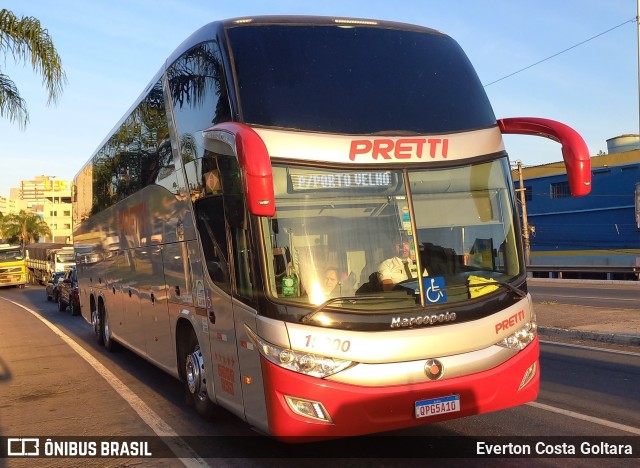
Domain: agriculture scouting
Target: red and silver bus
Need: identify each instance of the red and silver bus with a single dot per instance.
(269, 151)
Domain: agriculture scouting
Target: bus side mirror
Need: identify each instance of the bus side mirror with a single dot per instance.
(574, 150)
(254, 162)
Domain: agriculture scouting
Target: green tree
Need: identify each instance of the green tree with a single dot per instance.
(24, 227)
(26, 41)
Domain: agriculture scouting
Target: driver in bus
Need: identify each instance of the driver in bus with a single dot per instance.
(398, 268)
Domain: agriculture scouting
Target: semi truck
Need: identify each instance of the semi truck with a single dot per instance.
(44, 259)
(12, 266)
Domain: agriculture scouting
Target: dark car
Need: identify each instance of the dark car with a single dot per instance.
(68, 292)
(52, 286)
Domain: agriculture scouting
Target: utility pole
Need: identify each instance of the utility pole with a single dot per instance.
(53, 209)
(525, 224)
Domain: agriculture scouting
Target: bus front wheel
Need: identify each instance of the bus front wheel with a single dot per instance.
(195, 377)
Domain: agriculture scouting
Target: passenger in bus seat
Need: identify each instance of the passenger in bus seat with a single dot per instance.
(331, 282)
(336, 284)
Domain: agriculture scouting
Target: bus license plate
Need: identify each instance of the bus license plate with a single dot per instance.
(435, 406)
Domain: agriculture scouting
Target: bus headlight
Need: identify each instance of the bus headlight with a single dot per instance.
(302, 362)
(521, 338)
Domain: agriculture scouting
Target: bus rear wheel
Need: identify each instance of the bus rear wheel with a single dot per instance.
(195, 377)
(96, 322)
(107, 340)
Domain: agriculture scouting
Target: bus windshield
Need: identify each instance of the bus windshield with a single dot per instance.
(354, 234)
(356, 80)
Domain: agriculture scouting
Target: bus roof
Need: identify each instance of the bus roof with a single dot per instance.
(471, 97)
(322, 20)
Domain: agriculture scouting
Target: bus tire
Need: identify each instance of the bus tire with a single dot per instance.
(107, 339)
(62, 306)
(96, 321)
(194, 377)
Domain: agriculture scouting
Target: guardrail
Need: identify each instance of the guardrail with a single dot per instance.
(608, 270)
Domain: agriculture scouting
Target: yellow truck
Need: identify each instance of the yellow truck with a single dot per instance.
(13, 271)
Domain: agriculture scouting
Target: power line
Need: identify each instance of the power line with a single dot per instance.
(561, 52)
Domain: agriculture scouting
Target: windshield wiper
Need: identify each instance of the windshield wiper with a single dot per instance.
(501, 283)
(354, 299)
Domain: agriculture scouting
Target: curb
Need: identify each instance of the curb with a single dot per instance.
(609, 338)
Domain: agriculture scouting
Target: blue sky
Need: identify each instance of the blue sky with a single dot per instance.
(110, 50)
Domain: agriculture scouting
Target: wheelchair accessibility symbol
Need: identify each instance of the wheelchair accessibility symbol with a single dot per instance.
(435, 289)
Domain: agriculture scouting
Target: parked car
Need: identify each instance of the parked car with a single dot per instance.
(52, 286)
(68, 293)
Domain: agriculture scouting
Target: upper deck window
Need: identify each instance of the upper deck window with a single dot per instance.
(356, 80)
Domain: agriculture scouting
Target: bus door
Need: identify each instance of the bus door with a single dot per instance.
(213, 286)
(220, 311)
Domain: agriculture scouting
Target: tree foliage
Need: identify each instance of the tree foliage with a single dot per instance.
(26, 41)
(24, 227)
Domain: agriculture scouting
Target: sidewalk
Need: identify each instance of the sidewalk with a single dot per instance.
(595, 324)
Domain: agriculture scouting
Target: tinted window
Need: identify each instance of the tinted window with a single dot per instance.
(199, 96)
(209, 213)
(136, 155)
(356, 80)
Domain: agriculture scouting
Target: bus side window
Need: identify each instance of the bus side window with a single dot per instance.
(242, 262)
(213, 236)
(235, 212)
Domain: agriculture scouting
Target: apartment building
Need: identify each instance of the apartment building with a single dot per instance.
(50, 198)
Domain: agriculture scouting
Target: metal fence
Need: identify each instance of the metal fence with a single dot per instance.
(627, 272)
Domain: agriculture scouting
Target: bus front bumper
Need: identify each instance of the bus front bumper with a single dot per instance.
(357, 410)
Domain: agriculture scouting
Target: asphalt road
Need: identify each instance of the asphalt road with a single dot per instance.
(586, 394)
(594, 294)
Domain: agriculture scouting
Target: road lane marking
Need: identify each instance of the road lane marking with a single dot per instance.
(586, 297)
(590, 348)
(584, 417)
(178, 446)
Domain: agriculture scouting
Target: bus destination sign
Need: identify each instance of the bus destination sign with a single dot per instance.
(302, 181)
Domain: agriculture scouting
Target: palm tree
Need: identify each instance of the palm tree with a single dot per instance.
(24, 227)
(27, 41)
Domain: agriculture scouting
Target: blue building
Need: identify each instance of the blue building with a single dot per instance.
(600, 229)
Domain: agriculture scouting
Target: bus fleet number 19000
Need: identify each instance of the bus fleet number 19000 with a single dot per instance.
(328, 343)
